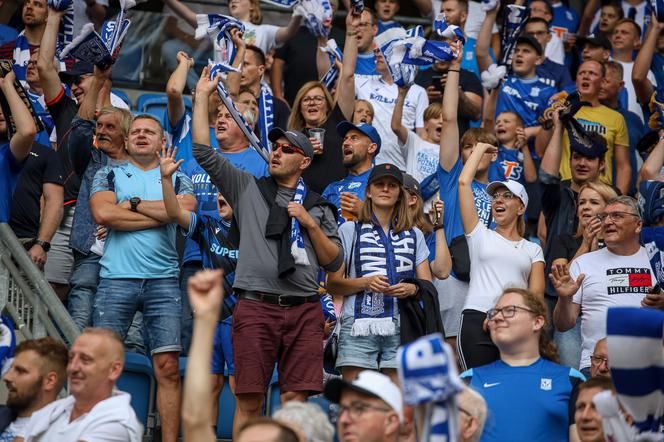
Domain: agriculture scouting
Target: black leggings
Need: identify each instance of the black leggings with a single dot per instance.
(473, 343)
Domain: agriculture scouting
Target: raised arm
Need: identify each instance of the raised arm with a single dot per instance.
(346, 82)
(642, 85)
(48, 71)
(449, 137)
(484, 40)
(287, 32)
(592, 6)
(277, 78)
(469, 217)
(21, 142)
(397, 126)
(182, 11)
(653, 164)
(89, 104)
(322, 58)
(554, 151)
(200, 126)
(441, 266)
(175, 88)
(489, 114)
(623, 168)
(233, 78)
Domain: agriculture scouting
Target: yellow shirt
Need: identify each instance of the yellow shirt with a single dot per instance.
(606, 122)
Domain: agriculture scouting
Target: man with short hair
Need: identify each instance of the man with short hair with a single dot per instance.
(618, 275)
(610, 15)
(589, 427)
(34, 380)
(472, 415)
(599, 361)
(554, 74)
(95, 410)
(34, 16)
(139, 267)
(360, 146)
(370, 407)
(595, 47)
(287, 232)
(555, 49)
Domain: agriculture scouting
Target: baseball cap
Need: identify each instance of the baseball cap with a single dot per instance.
(79, 68)
(527, 39)
(386, 169)
(297, 138)
(411, 184)
(597, 40)
(366, 129)
(651, 201)
(513, 186)
(370, 383)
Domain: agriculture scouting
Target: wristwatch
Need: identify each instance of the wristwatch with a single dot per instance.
(44, 244)
(134, 201)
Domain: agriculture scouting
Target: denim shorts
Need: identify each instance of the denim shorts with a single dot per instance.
(222, 348)
(371, 352)
(117, 301)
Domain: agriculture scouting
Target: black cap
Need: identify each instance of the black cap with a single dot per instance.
(297, 138)
(411, 184)
(527, 39)
(597, 40)
(79, 68)
(386, 169)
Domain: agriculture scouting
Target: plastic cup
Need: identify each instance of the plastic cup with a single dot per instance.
(318, 134)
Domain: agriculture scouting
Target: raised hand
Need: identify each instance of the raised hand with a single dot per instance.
(8, 79)
(437, 212)
(562, 281)
(205, 86)
(236, 37)
(167, 163)
(206, 292)
(183, 57)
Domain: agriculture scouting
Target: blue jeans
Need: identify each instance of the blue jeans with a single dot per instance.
(83, 281)
(187, 271)
(118, 300)
(370, 352)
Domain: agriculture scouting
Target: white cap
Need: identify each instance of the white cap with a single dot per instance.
(371, 383)
(513, 186)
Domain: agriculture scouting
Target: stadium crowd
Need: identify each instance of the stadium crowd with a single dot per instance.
(498, 179)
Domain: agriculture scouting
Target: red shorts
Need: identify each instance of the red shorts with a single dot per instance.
(264, 334)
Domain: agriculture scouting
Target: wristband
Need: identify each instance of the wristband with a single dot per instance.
(437, 228)
(454, 70)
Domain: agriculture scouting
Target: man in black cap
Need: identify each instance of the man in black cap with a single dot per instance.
(595, 47)
(287, 232)
(361, 144)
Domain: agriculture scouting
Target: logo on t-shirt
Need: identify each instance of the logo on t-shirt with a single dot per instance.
(593, 126)
(545, 384)
(628, 280)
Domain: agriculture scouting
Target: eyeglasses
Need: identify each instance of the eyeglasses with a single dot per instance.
(355, 410)
(597, 361)
(508, 311)
(537, 33)
(288, 149)
(316, 99)
(507, 195)
(615, 216)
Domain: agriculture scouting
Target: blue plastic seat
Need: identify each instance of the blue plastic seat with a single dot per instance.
(156, 104)
(123, 95)
(138, 380)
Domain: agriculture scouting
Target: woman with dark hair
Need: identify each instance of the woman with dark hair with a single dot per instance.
(381, 249)
(529, 395)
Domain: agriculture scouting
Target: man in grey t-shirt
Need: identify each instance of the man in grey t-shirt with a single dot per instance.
(286, 234)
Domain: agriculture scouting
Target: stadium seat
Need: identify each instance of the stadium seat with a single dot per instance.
(123, 95)
(138, 380)
(155, 104)
(226, 412)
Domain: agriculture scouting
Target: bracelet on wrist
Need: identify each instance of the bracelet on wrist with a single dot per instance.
(437, 228)
(454, 70)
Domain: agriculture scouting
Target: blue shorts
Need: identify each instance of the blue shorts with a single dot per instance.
(117, 300)
(222, 348)
(371, 352)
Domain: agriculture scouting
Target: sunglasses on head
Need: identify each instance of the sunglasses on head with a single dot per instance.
(288, 148)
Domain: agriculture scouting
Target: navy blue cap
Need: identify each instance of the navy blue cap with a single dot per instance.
(530, 41)
(297, 138)
(366, 129)
(651, 201)
(383, 170)
(79, 68)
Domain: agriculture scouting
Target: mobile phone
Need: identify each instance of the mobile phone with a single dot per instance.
(656, 288)
(437, 85)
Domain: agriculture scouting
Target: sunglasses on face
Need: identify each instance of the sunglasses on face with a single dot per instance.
(287, 149)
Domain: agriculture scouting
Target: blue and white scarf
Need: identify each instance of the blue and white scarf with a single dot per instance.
(219, 27)
(356, 6)
(635, 337)
(281, 3)
(515, 19)
(376, 253)
(657, 6)
(316, 14)
(428, 376)
(5, 67)
(21, 57)
(7, 344)
(297, 242)
(444, 29)
(66, 30)
(334, 53)
(265, 116)
(406, 51)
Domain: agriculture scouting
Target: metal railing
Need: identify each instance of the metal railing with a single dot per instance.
(26, 295)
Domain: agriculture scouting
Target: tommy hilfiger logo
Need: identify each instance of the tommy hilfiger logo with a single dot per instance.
(628, 280)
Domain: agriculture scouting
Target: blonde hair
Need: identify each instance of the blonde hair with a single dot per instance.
(604, 190)
(433, 111)
(123, 115)
(369, 105)
(255, 15)
(476, 135)
(296, 120)
(402, 217)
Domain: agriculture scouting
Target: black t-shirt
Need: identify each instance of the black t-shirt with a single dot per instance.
(63, 111)
(299, 54)
(468, 83)
(566, 245)
(281, 113)
(328, 166)
(41, 166)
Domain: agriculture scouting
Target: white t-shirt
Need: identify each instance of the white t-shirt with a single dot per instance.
(495, 264)
(263, 36)
(14, 429)
(383, 97)
(421, 160)
(632, 103)
(611, 281)
(111, 420)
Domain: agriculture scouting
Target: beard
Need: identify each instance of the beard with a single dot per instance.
(19, 402)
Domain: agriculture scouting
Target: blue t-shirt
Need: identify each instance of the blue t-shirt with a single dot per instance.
(366, 65)
(449, 194)
(141, 254)
(508, 166)
(180, 136)
(555, 75)
(532, 403)
(527, 98)
(10, 169)
(206, 192)
(385, 25)
(564, 20)
(356, 184)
